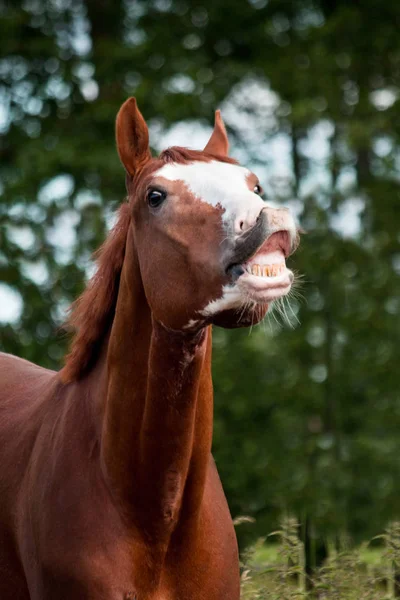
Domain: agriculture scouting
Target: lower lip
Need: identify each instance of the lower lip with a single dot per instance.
(265, 289)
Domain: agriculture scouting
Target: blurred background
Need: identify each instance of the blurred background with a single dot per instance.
(307, 411)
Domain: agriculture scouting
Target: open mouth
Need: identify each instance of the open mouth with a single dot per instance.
(264, 277)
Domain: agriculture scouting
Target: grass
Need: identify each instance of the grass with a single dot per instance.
(274, 568)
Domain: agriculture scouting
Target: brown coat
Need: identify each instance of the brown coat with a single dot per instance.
(108, 489)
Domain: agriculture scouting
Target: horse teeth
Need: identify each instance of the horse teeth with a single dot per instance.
(265, 270)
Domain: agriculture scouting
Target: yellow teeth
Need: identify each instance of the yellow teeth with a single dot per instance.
(256, 270)
(266, 270)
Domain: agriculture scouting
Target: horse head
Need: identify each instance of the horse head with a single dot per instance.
(209, 248)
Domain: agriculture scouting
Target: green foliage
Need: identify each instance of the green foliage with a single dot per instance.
(277, 572)
(306, 419)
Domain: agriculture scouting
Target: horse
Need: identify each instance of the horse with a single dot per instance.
(108, 489)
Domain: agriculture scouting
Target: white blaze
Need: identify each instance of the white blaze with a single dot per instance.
(218, 183)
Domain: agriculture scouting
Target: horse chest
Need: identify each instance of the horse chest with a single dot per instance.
(90, 554)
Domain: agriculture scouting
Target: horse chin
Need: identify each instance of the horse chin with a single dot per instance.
(235, 318)
(246, 302)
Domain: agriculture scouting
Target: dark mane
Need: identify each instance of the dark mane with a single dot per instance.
(92, 313)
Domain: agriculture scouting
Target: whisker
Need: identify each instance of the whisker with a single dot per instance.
(254, 309)
(292, 311)
(224, 240)
(280, 309)
(274, 310)
(245, 305)
(289, 310)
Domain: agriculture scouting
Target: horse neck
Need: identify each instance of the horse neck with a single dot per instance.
(157, 423)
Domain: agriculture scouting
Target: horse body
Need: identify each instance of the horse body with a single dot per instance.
(61, 529)
(108, 489)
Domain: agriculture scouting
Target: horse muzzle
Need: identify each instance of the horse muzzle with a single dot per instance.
(262, 250)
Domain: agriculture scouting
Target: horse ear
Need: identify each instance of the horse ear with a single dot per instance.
(218, 142)
(132, 137)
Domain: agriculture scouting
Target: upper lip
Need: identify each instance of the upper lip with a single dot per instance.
(250, 242)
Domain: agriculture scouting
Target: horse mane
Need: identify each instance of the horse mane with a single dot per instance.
(91, 315)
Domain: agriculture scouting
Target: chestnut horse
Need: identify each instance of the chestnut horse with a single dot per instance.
(108, 489)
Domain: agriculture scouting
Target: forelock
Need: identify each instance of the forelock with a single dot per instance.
(180, 155)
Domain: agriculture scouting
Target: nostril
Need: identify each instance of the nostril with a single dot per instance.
(243, 223)
(239, 225)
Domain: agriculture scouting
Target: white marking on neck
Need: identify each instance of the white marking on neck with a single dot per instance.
(191, 324)
(232, 297)
(217, 184)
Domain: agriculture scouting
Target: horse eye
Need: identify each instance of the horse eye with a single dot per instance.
(258, 190)
(155, 198)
